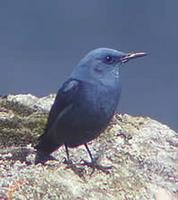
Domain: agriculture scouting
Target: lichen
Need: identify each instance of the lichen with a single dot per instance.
(20, 125)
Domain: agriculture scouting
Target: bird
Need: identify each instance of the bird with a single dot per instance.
(84, 104)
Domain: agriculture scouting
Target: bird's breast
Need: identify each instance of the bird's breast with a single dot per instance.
(99, 102)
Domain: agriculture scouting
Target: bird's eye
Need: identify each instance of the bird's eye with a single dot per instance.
(109, 59)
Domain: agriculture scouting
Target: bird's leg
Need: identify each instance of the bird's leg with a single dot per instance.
(67, 160)
(93, 164)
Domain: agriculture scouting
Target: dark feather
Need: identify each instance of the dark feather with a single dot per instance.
(62, 102)
(63, 99)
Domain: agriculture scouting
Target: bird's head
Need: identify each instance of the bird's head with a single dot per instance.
(103, 64)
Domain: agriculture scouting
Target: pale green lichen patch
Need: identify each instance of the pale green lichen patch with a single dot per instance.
(19, 124)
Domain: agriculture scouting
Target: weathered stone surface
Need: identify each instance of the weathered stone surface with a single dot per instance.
(22, 118)
(142, 151)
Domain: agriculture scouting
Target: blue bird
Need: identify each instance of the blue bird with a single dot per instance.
(85, 103)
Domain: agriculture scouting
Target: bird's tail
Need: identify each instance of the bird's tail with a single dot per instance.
(44, 148)
(42, 157)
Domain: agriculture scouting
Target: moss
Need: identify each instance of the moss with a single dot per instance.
(35, 122)
(17, 108)
(19, 125)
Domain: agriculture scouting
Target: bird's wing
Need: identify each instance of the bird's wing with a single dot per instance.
(63, 101)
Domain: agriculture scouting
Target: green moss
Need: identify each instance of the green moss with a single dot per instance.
(19, 126)
(17, 108)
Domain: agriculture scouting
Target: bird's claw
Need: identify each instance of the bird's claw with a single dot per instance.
(67, 161)
(72, 166)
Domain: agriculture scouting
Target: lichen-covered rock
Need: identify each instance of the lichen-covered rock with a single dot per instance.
(143, 154)
(31, 102)
(23, 118)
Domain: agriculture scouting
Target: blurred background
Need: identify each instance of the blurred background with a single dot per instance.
(41, 41)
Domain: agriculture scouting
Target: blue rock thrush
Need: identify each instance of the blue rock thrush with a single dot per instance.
(85, 103)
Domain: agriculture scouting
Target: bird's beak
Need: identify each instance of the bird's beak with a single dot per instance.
(132, 55)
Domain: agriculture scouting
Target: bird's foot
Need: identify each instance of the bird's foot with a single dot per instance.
(78, 170)
(94, 165)
(68, 161)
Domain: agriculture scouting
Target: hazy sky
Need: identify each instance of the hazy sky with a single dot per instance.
(41, 41)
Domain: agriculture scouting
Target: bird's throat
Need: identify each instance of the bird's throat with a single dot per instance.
(115, 72)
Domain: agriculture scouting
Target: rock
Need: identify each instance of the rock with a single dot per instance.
(143, 154)
(22, 118)
(32, 102)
